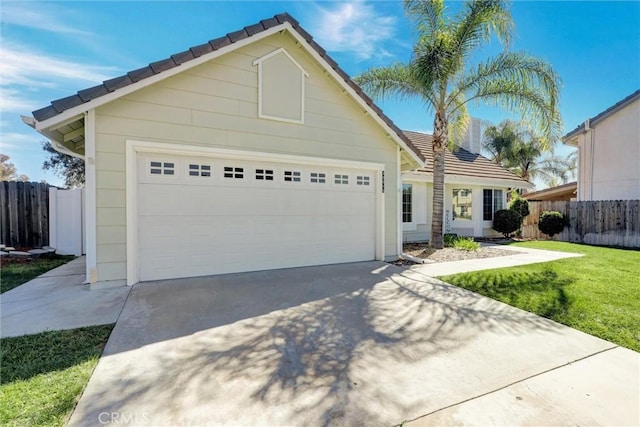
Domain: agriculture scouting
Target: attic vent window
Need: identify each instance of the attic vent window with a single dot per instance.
(281, 85)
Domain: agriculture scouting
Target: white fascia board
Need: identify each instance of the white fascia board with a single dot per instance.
(357, 98)
(469, 180)
(94, 103)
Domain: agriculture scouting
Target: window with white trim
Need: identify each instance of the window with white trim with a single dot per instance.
(317, 177)
(407, 202)
(162, 168)
(264, 174)
(292, 176)
(491, 202)
(462, 203)
(233, 172)
(341, 179)
(199, 170)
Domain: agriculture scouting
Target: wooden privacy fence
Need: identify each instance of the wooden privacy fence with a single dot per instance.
(605, 223)
(24, 207)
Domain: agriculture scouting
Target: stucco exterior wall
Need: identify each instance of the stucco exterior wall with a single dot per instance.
(216, 105)
(419, 229)
(609, 157)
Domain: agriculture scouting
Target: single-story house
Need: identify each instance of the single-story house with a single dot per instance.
(475, 188)
(564, 192)
(253, 151)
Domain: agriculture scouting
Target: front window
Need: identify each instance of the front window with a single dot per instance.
(406, 202)
(461, 203)
(491, 202)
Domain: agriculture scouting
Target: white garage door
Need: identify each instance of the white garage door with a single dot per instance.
(199, 216)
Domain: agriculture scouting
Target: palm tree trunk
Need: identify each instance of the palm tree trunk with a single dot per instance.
(439, 144)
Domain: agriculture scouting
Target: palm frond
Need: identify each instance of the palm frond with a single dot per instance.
(478, 21)
(427, 15)
(518, 83)
(396, 80)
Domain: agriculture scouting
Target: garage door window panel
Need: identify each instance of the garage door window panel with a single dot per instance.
(199, 170)
(292, 176)
(318, 178)
(264, 174)
(341, 179)
(162, 168)
(233, 172)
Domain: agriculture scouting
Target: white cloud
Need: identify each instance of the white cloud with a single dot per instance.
(45, 17)
(25, 74)
(355, 27)
(15, 140)
(22, 66)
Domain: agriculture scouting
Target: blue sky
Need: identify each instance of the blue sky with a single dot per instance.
(51, 49)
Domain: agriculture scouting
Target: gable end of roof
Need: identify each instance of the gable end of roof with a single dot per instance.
(109, 86)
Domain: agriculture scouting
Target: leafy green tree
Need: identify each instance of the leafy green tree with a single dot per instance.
(516, 147)
(440, 74)
(68, 167)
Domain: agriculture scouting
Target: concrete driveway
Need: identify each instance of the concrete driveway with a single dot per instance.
(352, 344)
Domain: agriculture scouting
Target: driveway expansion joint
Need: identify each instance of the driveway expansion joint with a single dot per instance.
(403, 423)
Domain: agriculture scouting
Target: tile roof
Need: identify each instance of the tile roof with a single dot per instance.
(565, 190)
(460, 161)
(60, 105)
(606, 113)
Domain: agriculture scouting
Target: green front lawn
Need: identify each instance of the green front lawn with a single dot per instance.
(15, 272)
(598, 294)
(43, 375)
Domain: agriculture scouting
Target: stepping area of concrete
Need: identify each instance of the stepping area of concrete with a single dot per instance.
(58, 300)
(353, 344)
(521, 256)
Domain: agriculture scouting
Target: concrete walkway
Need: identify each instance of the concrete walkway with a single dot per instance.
(57, 300)
(352, 344)
(521, 256)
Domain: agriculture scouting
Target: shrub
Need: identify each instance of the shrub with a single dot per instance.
(552, 222)
(506, 221)
(519, 205)
(466, 243)
(450, 239)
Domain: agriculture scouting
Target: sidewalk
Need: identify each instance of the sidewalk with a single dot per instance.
(522, 256)
(57, 300)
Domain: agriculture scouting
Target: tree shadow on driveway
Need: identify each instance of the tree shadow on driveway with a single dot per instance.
(353, 344)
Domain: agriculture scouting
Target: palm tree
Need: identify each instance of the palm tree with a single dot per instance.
(438, 73)
(516, 147)
(500, 139)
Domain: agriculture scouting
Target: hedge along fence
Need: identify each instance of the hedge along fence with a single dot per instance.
(24, 210)
(604, 223)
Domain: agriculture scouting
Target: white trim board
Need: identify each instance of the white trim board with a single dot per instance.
(259, 62)
(133, 147)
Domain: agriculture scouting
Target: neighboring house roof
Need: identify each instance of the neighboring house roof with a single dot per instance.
(561, 192)
(461, 162)
(87, 98)
(603, 115)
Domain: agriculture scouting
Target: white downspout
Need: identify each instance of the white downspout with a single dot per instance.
(590, 137)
